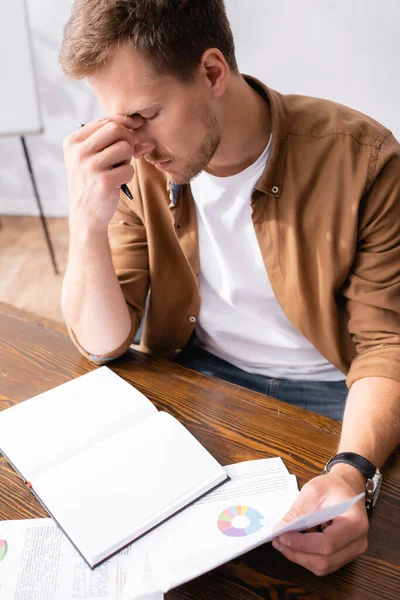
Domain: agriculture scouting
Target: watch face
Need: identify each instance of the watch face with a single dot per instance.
(372, 489)
(370, 485)
(377, 482)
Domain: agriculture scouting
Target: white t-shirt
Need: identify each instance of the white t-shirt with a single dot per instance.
(240, 319)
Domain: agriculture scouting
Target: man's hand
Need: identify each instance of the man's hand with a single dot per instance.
(343, 539)
(97, 159)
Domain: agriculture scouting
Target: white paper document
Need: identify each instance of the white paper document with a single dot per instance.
(39, 563)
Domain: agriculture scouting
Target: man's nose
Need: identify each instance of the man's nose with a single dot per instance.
(142, 149)
(142, 145)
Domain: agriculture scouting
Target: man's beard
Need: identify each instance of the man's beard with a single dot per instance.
(202, 157)
(208, 147)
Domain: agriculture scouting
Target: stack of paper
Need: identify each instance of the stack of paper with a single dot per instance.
(38, 561)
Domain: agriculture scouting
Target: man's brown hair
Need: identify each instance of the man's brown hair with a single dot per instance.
(171, 34)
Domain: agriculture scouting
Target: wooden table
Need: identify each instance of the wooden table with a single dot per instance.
(235, 425)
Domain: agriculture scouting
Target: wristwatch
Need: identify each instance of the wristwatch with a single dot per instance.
(370, 472)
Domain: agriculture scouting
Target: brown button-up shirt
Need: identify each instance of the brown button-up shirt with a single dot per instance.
(326, 213)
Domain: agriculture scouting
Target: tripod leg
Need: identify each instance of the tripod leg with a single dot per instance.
(42, 217)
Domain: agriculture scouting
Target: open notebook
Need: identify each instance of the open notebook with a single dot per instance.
(105, 464)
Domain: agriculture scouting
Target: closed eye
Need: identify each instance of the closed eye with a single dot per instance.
(146, 118)
(153, 117)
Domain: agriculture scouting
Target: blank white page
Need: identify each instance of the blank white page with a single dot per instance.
(41, 432)
(121, 487)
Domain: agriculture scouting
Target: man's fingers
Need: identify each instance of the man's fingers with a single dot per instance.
(311, 543)
(328, 542)
(322, 553)
(347, 528)
(121, 174)
(105, 137)
(86, 130)
(342, 531)
(117, 154)
(128, 122)
(320, 564)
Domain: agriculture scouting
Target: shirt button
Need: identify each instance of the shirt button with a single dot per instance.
(192, 319)
(275, 189)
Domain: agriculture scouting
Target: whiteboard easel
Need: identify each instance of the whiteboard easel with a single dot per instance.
(19, 100)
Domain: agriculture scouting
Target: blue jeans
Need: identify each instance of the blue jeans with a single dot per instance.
(324, 397)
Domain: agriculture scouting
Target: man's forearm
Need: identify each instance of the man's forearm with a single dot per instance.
(371, 424)
(93, 304)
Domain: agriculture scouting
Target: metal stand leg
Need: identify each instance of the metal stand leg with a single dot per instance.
(42, 217)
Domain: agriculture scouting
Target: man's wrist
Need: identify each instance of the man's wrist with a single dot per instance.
(86, 231)
(353, 477)
(87, 239)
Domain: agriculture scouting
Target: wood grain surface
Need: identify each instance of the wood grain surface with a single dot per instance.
(235, 425)
(25, 260)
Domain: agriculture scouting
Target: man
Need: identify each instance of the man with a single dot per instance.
(282, 211)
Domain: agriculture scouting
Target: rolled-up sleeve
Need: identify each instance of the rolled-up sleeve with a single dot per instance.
(104, 358)
(373, 286)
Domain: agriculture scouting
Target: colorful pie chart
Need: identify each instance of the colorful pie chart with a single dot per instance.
(3, 549)
(238, 521)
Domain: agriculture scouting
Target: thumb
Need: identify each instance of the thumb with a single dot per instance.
(293, 513)
(307, 501)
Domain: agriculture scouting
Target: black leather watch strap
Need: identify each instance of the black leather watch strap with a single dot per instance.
(355, 460)
(371, 473)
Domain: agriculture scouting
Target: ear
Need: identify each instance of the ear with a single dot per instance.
(215, 71)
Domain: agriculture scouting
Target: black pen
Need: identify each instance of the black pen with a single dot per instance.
(124, 187)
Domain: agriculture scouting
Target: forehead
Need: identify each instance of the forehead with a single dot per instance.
(127, 83)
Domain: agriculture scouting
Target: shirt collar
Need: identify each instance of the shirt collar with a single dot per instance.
(271, 181)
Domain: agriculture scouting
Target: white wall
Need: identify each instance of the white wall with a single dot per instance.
(344, 50)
